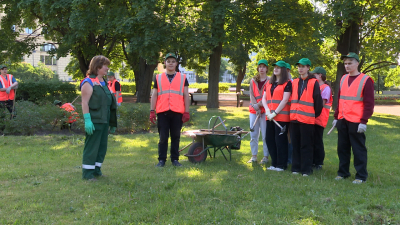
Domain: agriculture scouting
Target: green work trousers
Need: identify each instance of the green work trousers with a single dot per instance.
(94, 151)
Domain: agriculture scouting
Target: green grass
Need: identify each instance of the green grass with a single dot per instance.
(40, 183)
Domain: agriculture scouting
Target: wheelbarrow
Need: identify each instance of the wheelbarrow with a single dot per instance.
(206, 140)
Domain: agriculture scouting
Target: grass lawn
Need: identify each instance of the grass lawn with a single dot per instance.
(40, 182)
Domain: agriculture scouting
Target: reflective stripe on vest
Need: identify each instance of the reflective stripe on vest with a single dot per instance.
(6, 83)
(170, 94)
(351, 104)
(322, 120)
(257, 96)
(302, 110)
(111, 86)
(274, 101)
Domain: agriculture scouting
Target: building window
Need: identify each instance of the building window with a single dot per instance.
(48, 60)
(47, 47)
(28, 31)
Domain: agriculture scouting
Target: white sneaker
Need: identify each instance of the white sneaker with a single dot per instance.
(252, 160)
(278, 169)
(264, 160)
(295, 172)
(271, 168)
(305, 175)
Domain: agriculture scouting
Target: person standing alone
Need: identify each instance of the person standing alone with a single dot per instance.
(8, 84)
(115, 87)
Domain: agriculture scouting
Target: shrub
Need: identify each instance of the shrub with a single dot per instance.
(46, 91)
(203, 87)
(26, 72)
(133, 117)
(128, 87)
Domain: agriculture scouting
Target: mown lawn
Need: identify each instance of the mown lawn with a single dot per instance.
(40, 183)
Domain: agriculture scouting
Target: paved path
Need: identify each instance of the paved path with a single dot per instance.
(388, 109)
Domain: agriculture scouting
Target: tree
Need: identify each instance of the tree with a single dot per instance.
(26, 72)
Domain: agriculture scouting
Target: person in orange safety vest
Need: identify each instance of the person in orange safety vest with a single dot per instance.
(355, 107)
(170, 100)
(8, 84)
(115, 87)
(69, 108)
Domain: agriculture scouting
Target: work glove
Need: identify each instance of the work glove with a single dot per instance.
(255, 107)
(271, 116)
(185, 117)
(153, 117)
(267, 111)
(8, 90)
(112, 130)
(334, 123)
(362, 128)
(258, 112)
(89, 127)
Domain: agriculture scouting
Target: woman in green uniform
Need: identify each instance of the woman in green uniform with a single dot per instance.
(100, 112)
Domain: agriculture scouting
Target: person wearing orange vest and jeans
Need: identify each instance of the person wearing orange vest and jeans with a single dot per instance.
(257, 85)
(100, 113)
(355, 107)
(170, 100)
(322, 120)
(69, 108)
(115, 87)
(306, 105)
(276, 103)
(8, 84)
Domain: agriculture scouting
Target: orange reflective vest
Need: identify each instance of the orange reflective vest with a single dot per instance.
(257, 96)
(274, 101)
(322, 120)
(351, 104)
(170, 94)
(70, 108)
(6, 83)
(302, 109)
(111, 86)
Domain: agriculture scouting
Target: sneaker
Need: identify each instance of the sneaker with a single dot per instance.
(339, 178)
(358, 181)
(278, 169)
(176, 163)
(305, 175)
(271, 168)
(264, 160)
(161, 163)
(252, 160)
(295, 172)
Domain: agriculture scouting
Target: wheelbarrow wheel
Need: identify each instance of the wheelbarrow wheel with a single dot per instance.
(195, 149)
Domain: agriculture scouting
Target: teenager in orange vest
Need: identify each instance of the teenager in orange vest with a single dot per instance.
(276, 104)
(306, 105)
(257, 85)
(7, 86)
(170, 100)
(356, 106)
(321, 120)
(115, 87)
(69, 108)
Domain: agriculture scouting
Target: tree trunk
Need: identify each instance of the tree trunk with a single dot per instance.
(213, 77)
(83, 63)
(240, 77)
(144, 80)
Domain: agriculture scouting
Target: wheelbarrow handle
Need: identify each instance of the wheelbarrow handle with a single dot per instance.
(214, 126)
(239, 132)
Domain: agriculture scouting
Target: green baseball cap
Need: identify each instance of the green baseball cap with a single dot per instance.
(304, 62)
(2, 66)
(56, 102)
(280, 63)
(110, 74)
(262, 61)
(170, 55)
(351, 55)
(288, 66)
(319, 70)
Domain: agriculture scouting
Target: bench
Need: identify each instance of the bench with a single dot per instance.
(247, 93)
(391, 92)
(202, 97)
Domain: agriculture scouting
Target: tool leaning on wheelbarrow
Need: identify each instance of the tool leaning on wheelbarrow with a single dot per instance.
(205, 140)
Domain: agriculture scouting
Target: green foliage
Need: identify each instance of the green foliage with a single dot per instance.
(133, 117)
(203, 88)
(128, 87)
(393, 77)
(26, 72)
(46, 91)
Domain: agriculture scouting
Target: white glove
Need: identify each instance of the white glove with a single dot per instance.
(334, 123)
(255, 107)
(8, 90)
(267, 112)
(362, 128)
(271, 116)
(258, 112)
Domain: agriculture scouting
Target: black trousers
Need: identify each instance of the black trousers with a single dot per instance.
(7, 104)
(169, 123)
(348, 139)
(302, 137)
(277, 144)
(319, 150)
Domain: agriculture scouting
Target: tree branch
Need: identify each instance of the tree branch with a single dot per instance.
(376, 24)
(387, 64)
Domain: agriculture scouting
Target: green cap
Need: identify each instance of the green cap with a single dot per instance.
(280, 63)
(110, 73)
(170, 55)
(2, 66)
(319, 70)
(288, 66)
(262, 61)
(304, 62)
(56, 102)
(351, 55)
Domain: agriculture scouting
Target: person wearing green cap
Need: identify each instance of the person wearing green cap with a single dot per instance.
(115, 87)
(288, 68)
(170, 99)
(71, 110)
(8, 85)
(275, 101)
(322, 120)
(306, 105)
(355, 107)
(100, 114)
(257, 111)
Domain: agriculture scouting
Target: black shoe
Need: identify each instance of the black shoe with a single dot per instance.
(318, 167)
(161, 163)
(176, 163)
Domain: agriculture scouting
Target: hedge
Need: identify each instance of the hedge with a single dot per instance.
(46, 91)
(223, 87)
